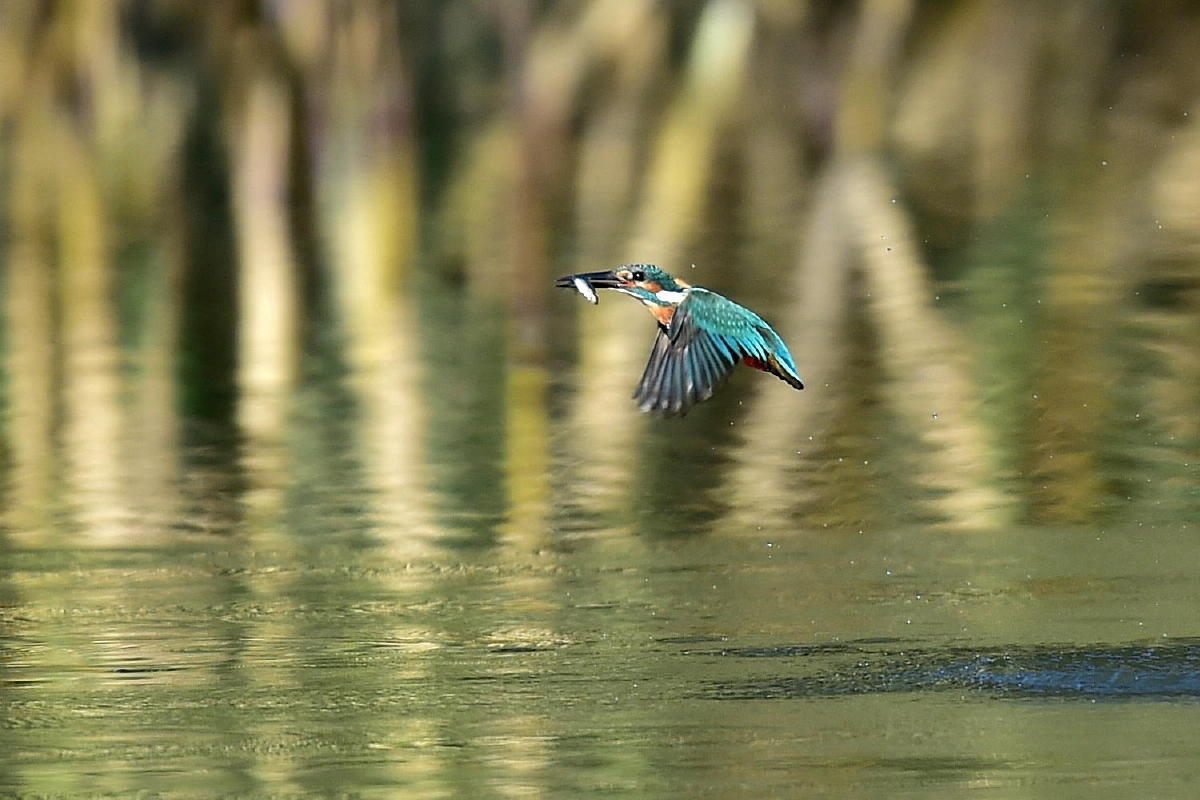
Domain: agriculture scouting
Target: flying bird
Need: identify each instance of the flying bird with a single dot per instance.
(701, 336)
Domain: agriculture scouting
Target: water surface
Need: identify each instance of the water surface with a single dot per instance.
(604, 661)
(312, 483)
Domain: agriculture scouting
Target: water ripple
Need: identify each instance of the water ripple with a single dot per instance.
(1167, 670)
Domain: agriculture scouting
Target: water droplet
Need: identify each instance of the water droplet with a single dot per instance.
(935, 415)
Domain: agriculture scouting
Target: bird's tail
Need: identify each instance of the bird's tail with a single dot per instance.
(773, 366)
(779, 361)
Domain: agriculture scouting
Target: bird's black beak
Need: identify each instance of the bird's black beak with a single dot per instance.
(598, 280)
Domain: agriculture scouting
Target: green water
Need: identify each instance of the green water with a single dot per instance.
(312, 484)
(604, 662)
(408, 580)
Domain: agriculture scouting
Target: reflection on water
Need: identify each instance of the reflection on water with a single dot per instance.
(999, 324)
(1165, 670)
(913, 660)
(313, 482)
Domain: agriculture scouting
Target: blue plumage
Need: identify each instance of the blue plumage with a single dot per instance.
(702, 337)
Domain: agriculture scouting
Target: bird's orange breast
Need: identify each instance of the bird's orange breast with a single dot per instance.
(664, 314)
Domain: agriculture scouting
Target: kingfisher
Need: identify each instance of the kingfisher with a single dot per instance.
(702, 336)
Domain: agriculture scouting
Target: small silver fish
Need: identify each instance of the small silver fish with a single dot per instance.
(584, 287)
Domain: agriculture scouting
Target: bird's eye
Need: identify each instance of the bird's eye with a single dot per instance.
(637, 276)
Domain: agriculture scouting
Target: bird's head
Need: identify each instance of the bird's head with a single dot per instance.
(646, 282)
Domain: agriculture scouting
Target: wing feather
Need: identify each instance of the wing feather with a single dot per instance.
(696, 353)
(670, 390)
(712, 366)
(650, 386)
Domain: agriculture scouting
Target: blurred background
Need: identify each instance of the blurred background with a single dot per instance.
(313, 482)
(279, 255)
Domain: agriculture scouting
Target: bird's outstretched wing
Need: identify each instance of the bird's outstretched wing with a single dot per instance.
(708, 335)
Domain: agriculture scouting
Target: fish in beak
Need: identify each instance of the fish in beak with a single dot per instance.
(586, 283)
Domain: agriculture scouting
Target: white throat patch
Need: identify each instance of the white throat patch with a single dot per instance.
(670, 297)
